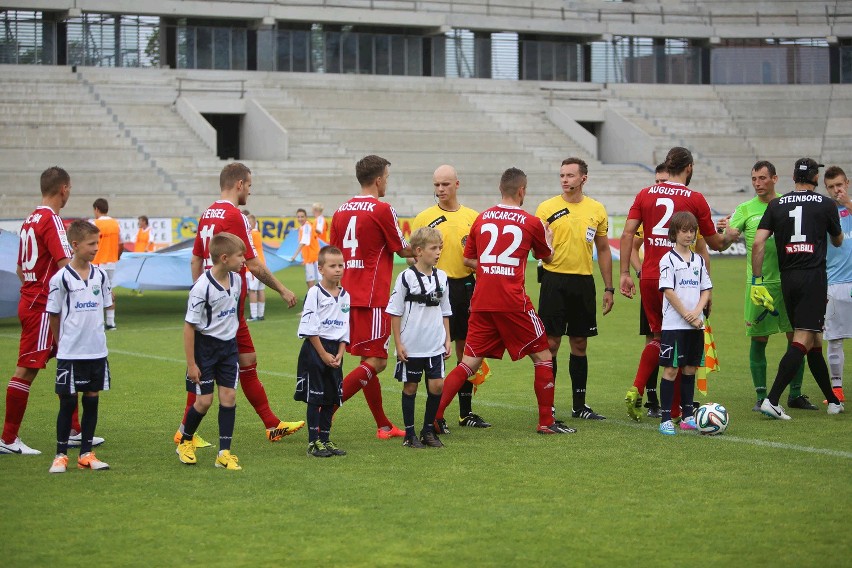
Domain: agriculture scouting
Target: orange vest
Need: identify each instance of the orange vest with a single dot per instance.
(310, 252)
(324, 234)
(143, 240)
(258, 245)
(109, 241)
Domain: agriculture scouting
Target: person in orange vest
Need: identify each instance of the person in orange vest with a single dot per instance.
(308, 246)
(143, 236)
(110, 247)
(321, 225)
(256, 288)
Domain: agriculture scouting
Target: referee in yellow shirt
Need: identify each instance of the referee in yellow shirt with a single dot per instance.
(453, 221)
(567, 300)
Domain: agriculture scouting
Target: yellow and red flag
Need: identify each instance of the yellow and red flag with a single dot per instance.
(711, 360)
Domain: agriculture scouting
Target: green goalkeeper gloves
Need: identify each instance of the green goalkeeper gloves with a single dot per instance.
(760, 296)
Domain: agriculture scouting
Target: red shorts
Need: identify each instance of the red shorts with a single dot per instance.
(369, 332)
(652, 303)
(489, 334)
(244, 342)
(37, 345)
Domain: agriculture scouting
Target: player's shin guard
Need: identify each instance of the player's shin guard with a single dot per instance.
(578, 369)
(667, 390)
(88, 423)
(796, 383)
(687, 394)
(648, 363)
(452, 384)
(836, 360)
(256, 395)
(17, 396)
(313, 419)
(757, 365)
(357, 379)
(432, 402)
(408, 401)
(373, 394)
(465, 397)
(790, 362)
(227, 417)
(67, 405)
(326, 413)
(193, 420)
(544, 391)
(816, 363)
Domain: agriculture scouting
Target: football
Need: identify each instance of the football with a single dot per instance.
(712, 419)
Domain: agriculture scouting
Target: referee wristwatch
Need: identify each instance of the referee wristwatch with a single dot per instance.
(611, 290)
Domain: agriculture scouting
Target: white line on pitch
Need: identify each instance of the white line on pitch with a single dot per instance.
(623, 423)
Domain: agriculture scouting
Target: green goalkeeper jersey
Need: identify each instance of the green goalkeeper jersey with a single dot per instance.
(745, 219)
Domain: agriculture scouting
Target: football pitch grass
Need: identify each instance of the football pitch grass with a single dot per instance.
(616, 492)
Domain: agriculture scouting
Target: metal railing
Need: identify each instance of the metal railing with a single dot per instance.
(216, 86)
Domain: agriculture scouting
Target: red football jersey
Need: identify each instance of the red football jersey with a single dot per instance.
(500, 240)
(368, 233)
(222, 216)
(43, 244)
(653, 207)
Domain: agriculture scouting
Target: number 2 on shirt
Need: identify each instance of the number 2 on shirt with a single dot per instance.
(505, 258)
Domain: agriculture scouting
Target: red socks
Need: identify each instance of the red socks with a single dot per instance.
(17, 395)
(544, 389)
(190, 400)
(452, 384)
(364, 377)
(648, 364)
(256, 395)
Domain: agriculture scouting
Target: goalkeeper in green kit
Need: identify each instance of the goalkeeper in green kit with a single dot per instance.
(771, 318)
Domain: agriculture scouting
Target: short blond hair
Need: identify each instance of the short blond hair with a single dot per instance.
(225, 244)
(425, 236)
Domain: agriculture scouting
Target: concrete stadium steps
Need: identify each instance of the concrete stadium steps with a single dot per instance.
(47, 117)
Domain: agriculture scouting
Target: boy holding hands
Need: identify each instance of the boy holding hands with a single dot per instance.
(210, 344)
(686, 289)
(420, 322)
(325, 328)
(78, 294)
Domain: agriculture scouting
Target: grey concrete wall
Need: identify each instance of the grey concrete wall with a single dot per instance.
(261, 136)
(623, 142)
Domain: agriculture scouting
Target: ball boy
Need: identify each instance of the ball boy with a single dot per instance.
(686, 286)
(325, 328)
(77, 296)
(210, 344)
(420, 313)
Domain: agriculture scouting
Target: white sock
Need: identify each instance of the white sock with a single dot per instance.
(836, 360)
(261, 309)
(253, 309)
(110, 317)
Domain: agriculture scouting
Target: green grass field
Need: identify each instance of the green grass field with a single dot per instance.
(617, 492)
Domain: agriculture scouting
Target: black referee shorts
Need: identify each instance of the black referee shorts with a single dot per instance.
(461, 291)
(567, 305)
(805, 296)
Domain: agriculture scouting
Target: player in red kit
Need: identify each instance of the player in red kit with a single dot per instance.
(653, 207)
(224, 216)
(502, 317)
(43, 250)
(368, 233)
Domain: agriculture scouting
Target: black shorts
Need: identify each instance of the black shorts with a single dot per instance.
(566, 305)
(219, 363)
(412, 370)
(82, 375)
(644, 326)
(316, 382)
(805, 297)
(681, 347)
(461, 290)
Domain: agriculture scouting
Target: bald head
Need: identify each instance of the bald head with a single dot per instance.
(445, 182)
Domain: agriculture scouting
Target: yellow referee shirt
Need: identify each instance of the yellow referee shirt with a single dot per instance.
(574, 226)
(454, 227)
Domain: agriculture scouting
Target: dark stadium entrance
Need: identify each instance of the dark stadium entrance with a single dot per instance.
(227, 134)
